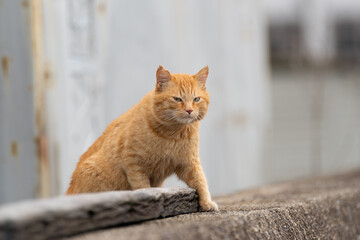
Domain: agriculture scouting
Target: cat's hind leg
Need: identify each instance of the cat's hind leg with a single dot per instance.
(89, 176)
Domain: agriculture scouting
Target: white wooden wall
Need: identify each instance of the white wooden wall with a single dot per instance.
(74, 33)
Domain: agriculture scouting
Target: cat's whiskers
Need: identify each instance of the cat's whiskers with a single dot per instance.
(170, 118)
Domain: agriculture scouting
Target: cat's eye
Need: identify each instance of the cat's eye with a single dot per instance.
(177, 99)
(196, 99)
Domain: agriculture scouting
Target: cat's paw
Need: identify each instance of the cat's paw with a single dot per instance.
(208, 206)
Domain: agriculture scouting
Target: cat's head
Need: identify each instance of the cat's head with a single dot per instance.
(181, 98)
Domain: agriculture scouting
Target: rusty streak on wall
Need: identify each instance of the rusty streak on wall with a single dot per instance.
(5, 64)
(39, 96)
(14, 149)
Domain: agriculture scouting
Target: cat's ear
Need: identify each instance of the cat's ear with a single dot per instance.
(163, 76)
(202, 75)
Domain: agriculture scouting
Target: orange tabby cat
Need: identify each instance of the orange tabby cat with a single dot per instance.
(156, 138)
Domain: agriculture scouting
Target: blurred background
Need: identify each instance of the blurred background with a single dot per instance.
(284, 83)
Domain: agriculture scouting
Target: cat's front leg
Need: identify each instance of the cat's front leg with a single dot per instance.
(193, 175)
(136, 176)
(157, 183)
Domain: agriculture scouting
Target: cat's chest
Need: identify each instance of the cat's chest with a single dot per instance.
(160, 149)
(173, 149)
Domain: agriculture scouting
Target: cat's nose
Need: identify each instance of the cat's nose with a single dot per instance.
(189, 111)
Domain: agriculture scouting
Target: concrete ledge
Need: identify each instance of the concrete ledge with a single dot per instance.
(65, 216)
(316, 208)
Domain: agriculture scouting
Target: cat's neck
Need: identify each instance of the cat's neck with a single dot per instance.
(174, 131)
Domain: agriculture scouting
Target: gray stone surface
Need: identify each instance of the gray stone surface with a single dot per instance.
(68, 215)
(317, 208)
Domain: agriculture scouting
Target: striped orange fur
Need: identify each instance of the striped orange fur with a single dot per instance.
(157, 137)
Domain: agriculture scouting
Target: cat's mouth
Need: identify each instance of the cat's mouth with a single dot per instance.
(187, 119)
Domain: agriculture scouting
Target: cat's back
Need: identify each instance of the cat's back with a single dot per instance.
(119, 128)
